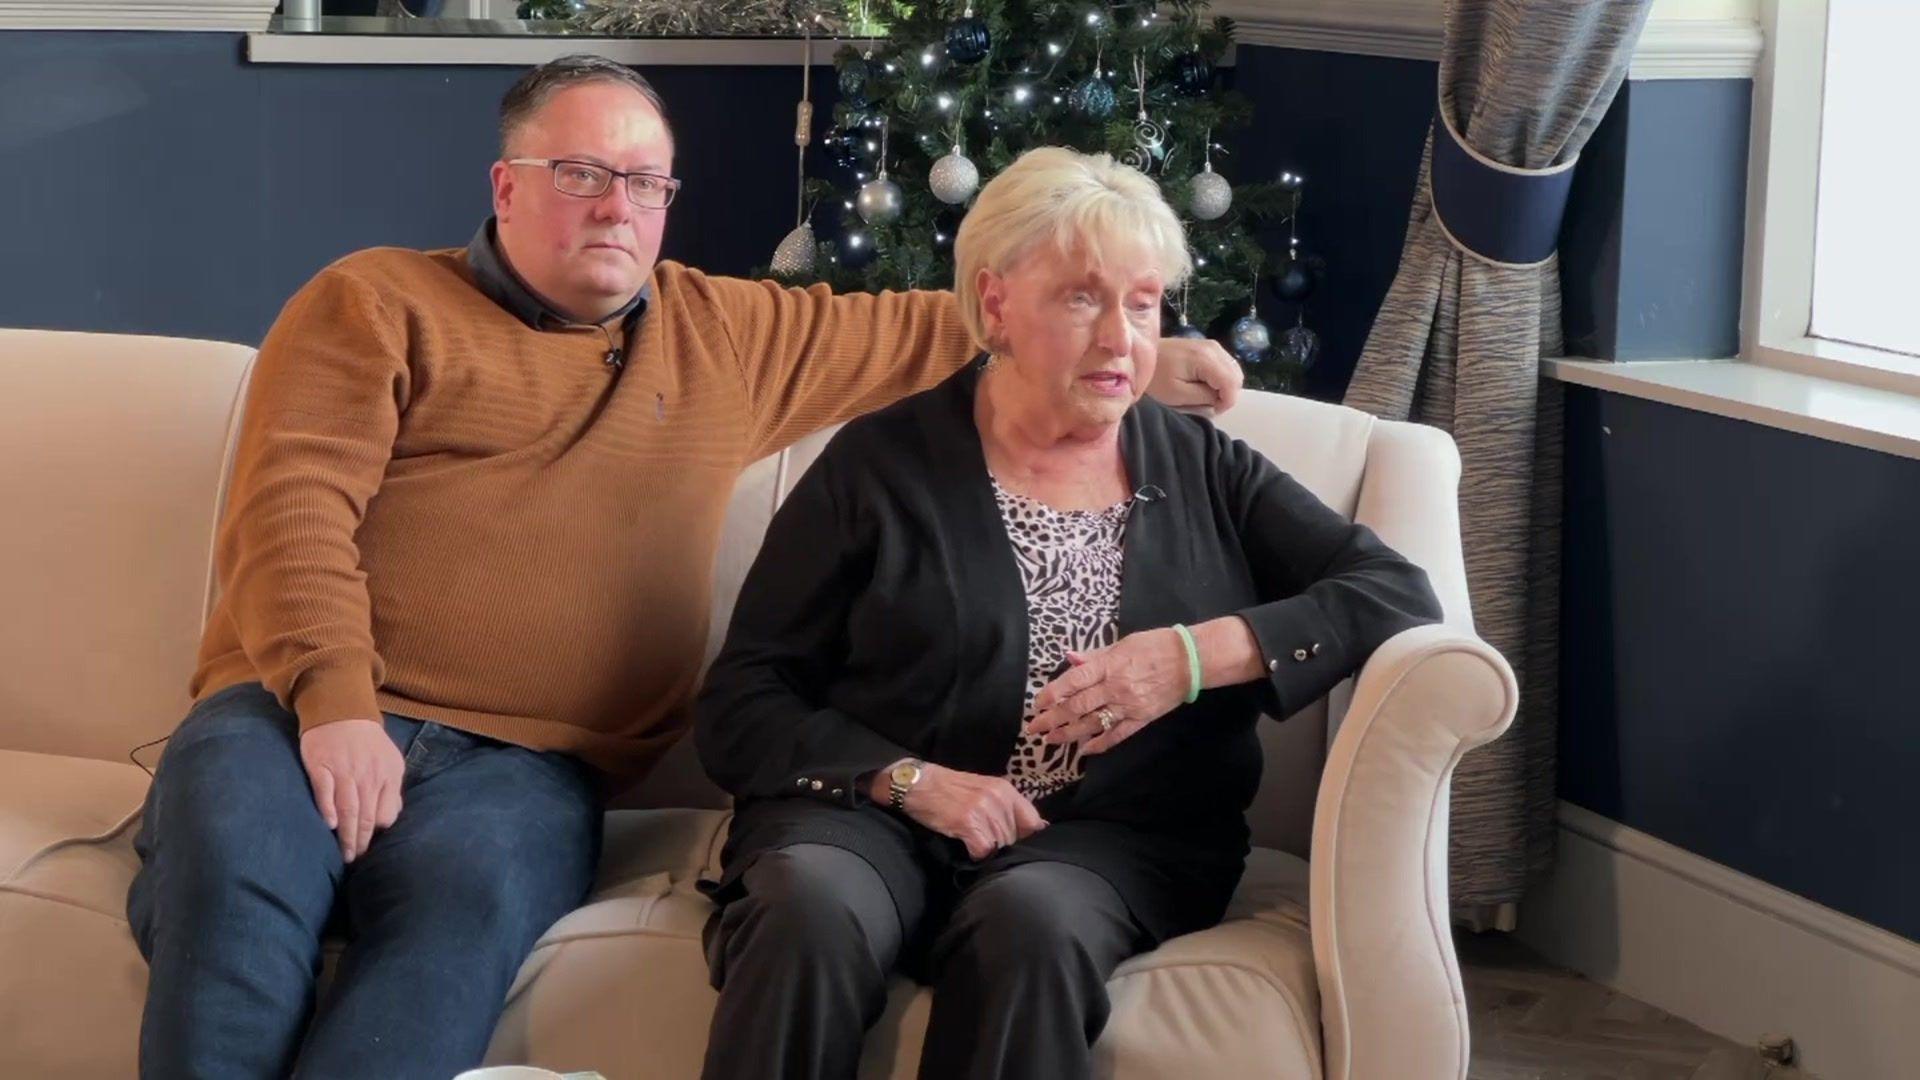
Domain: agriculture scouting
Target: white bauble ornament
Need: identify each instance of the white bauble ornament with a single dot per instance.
(953, 179)
(1210, 195)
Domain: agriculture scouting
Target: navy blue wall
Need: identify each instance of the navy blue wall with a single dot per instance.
(1650, 256)
(155, 182)
(1651, 248)
(1739, 666)
(158, 183)
(1354, 127)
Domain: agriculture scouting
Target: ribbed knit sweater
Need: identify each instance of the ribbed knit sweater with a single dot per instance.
(437, 510)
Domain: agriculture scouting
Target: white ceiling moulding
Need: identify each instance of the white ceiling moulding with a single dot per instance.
(134, 15)
(1697, 49)
(1721, 41)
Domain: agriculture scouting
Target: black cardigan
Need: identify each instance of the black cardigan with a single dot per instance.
(885, 618)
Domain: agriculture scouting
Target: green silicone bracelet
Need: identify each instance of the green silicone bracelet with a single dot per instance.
(1193, 662)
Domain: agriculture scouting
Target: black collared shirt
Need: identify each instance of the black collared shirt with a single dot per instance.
(504, 287)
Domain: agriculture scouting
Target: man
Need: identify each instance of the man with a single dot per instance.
(465, 568)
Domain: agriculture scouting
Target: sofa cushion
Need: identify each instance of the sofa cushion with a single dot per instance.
(621, 984)
(49, 805)
(72, 983)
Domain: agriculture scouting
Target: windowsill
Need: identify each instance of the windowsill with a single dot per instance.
(1876, 419)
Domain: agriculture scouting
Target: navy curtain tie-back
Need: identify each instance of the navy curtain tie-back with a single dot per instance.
(1498, 213)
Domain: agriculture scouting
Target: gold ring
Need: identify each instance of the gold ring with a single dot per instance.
(1106, 718)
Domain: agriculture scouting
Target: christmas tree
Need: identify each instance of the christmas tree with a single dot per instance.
(946, 94)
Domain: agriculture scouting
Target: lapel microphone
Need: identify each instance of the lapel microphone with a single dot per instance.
(616, 357)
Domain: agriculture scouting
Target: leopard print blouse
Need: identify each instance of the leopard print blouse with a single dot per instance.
(1070, 562)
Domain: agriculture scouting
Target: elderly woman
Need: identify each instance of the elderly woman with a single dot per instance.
(988, 701)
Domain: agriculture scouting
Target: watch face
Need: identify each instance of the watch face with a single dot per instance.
(905, 773)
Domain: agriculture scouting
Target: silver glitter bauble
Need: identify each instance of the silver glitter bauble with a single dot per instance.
(879, 201)
(1297, 347)
(1250, 339)
(794, 257)
(1210, 195)
(953, 179)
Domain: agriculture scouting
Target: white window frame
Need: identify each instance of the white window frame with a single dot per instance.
(1782, 185)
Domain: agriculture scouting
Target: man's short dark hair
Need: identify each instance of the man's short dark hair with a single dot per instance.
(534, 89)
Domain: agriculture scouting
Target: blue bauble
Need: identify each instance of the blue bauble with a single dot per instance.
(1187, 330)
(968, 40)
(1093, 98)
(1294, 280)
(1250, 339)
(855, 76)
(1193, 74)
(1298, 347)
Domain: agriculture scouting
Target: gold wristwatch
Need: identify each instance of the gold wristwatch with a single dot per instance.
(900, 780)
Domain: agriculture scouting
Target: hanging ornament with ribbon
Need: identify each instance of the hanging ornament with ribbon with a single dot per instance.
(1093, 97)
(880, 199)
(794, 256)
(1298, 346)
(1293, 282)
(1209, 195)
(1186, 329)
(1250, 338)
(954, 178)
(1149, 138)
(968, 40)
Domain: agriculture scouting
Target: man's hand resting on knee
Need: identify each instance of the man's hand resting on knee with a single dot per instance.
(356, 771)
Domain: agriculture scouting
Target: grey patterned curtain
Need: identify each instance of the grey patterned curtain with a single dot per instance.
(1457, 344)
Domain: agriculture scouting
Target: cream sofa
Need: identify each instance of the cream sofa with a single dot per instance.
(113, 451)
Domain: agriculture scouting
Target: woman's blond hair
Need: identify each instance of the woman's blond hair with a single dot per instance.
(1074, 200)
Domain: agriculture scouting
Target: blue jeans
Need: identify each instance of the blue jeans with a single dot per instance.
(240, 877)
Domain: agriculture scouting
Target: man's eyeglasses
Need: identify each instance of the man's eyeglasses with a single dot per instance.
(585, 180)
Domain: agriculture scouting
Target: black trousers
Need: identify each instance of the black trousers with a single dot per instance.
(1018, 967)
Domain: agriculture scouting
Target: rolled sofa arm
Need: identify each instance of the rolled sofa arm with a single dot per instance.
(1392, 1004)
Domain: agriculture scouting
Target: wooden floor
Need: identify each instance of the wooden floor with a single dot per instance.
(1532, 1021)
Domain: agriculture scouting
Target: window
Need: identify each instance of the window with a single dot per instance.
(1866, 284)
(1833, 245)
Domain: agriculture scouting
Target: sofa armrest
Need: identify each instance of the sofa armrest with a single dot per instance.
(1411, 499)
(1392, 1004)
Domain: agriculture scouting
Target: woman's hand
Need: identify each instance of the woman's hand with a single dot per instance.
(985, 813)
(1128, 684)
(1110, 694)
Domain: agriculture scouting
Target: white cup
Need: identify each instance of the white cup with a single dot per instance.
(509, 1072)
